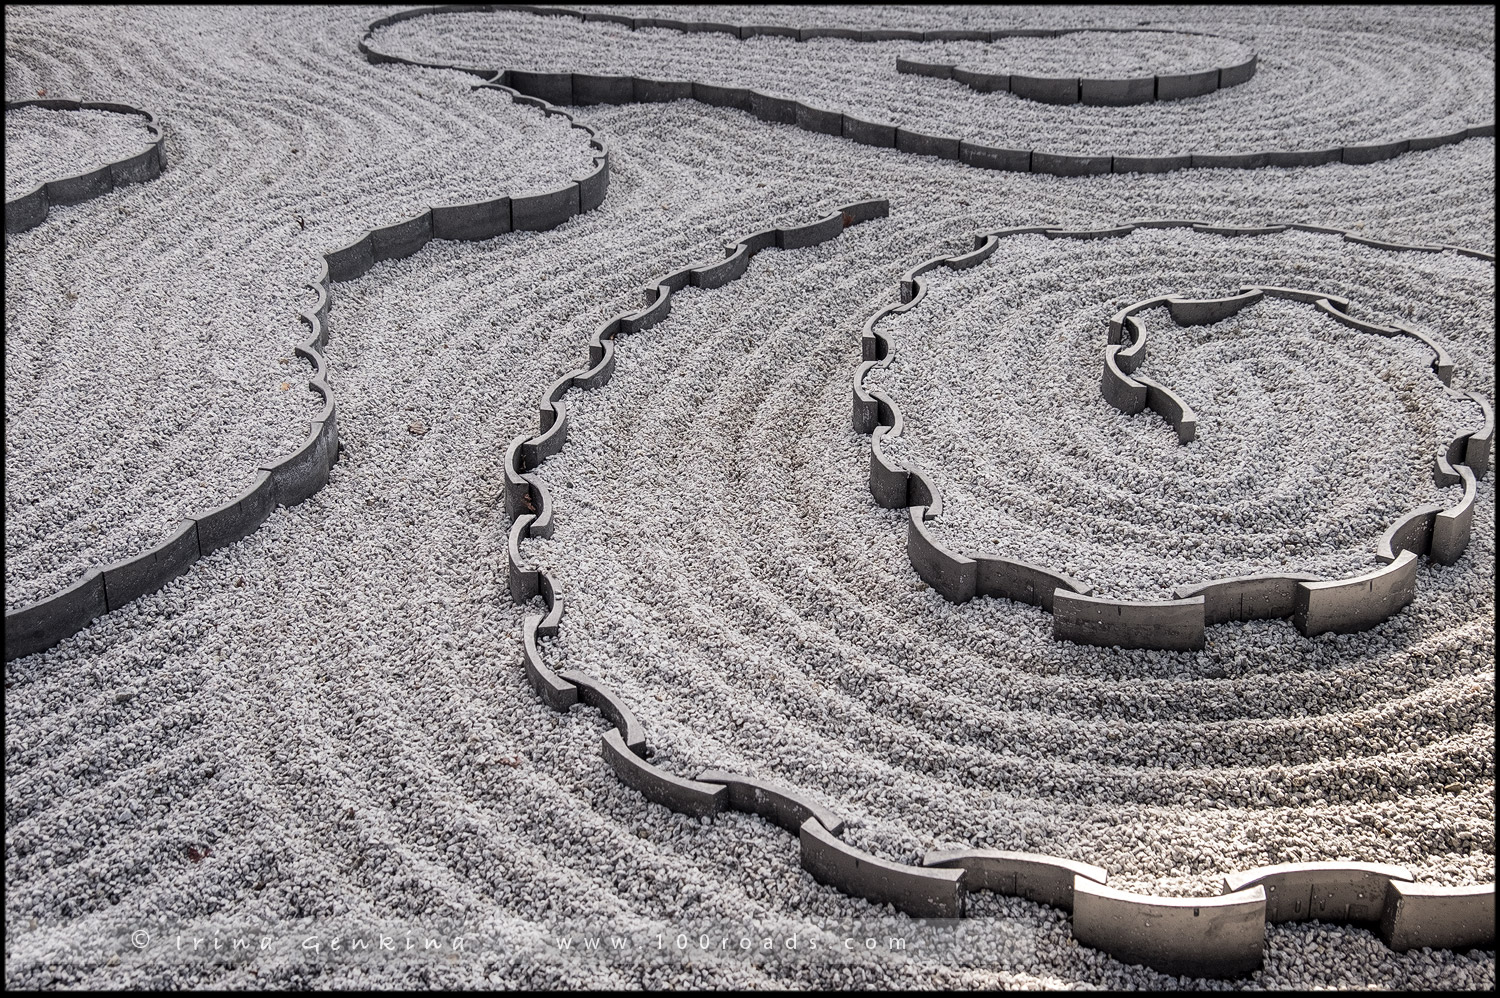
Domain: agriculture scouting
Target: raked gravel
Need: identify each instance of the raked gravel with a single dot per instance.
(42, 144)
(272, 158)
(325, 730)
(1312, 437)
(1323, 80)
(1098, 55)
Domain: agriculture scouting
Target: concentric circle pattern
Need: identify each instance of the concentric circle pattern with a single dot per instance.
(327, 729)
(1312, 437)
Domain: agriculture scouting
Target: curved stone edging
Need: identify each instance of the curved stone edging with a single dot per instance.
(576, 88)
(293, 478)
(1313, 605)
(1316, 605)
(1102, 91)
(1169, 934)
(30, 209)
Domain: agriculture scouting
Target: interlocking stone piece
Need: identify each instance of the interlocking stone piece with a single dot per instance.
(717, 275)
(1374, 152)
(521, 576)
(985, 83)
(237, 518)
(590, 89)
(1030, 875)
(478, 220)
(1234, 161)
(922, 144)
(869, 133)
(1451, 528)
(1480, 441)
(1045, 89)
(919, 67)
(1166, 404)
(1205, 311)
(1171, 625)
(918, 891)
(1233, 76)
(1150, 164)
(1119, 389)
(1117, 93)
(1456, 918)
(593, 186)
(595, 694)
(152, 569)
(302, 473)
(776, 803)
(717, 96)
(1305, 157)
(1359, 603)
(953, 576)
(395, 242)
(545, 210)
(800, 236)
(351, 261)
(773, 108)
(1021, 581)
(554, 88)
(1328, 892)
(1197, 937)
(648, 91)
(553, 690)
(1176, 86)
(811, 118)
(1063, 165)
(40, 625)
(1247, 597)
(991, 158)
(1412, 532)
(673, 792)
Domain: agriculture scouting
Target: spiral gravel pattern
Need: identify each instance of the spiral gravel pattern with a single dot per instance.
(327, 723)
(1323, 80)
(1313, 438)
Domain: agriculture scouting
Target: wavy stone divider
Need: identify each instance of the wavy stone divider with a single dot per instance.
(1110, 92)
(1314, 605)
(1222, 936)
(1210, 937)
(290, 480)
(572, 87)
(30, 209)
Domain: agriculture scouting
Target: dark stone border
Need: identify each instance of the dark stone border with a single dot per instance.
(294, 477)
(1313, 605)
(1220, 936)
(30, 209)
(578, 87)
(1098, 91)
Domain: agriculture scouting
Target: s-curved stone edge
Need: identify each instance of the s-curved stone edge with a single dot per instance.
(293, 478)
(1313, 605)
(1095, 90)
(575, 86)
(30, 209)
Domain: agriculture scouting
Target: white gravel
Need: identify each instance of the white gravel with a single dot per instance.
(325, 729)
(1096, 54)
(42, 144)
(1324, 79)
(1312, 437)
(272, 157)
